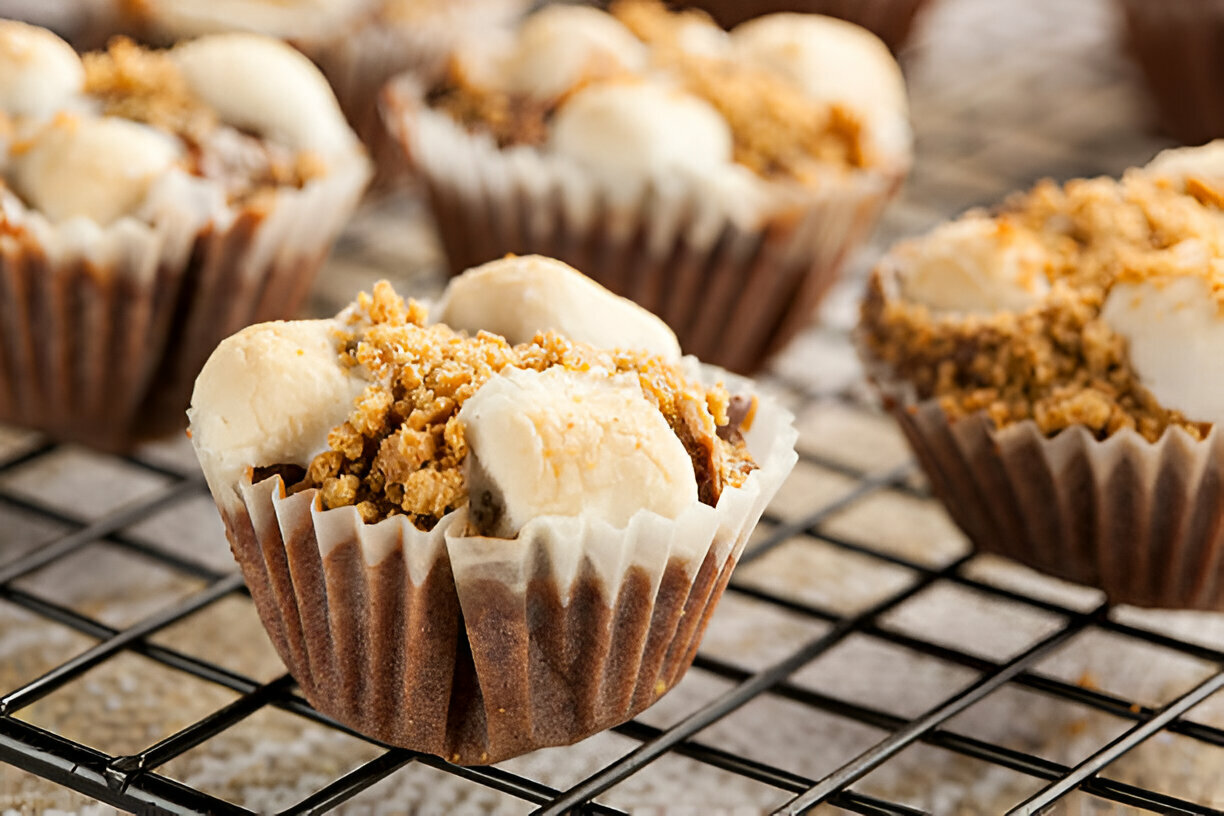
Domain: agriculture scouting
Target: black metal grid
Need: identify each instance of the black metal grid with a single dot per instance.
(133, 782)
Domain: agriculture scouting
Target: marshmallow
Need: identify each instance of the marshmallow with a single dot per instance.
(626, 133)
(269, 395)
(39, 72)
(833, 61)
(975, 265)
(263, 85)
(518, 297)
(560, 45)
(1174, 330)
(1205, 161)
(563, 443)
(99, 168)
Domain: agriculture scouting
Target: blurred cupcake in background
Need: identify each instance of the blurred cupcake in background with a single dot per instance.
(358, 44)
(152, 203)
(84, 23)
(718, 179)
(890, 20)
(1056, 369)
(1179, 44)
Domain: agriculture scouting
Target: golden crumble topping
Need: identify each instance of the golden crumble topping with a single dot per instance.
(402, 449)
(510, 120)
(777, 130)
(1058, 363)
(145, 86)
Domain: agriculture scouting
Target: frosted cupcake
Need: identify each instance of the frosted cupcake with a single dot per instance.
(358, 44)
(719, 180)
(473, 543)
(1055, 368)
(151, 203)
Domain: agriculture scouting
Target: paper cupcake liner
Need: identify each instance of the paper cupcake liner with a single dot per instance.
(734, 287)
(103, 329)
(890, 20)
(1179, 44)
(1143, 521)
(479, 649)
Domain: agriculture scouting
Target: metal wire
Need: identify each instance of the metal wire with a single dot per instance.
(133, 783)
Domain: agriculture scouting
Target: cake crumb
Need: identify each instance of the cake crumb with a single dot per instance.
(145, 85)
(402, 449)
(1057, 363)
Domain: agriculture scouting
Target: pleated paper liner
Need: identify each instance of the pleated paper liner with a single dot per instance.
(479, 649)
(103, 329)
(735, 287)
(1179, 45)
(890, 20)
(1142, 521)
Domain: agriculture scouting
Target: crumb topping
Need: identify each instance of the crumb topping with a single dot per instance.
(1058, 363)
(402, 449)
(777, 130)
(510, 120)
(145, 85)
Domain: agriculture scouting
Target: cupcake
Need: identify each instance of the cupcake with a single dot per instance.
(1053, 366)
(490, 534)
(358, 44)
(890, 20)
(152, 203)
(719, 180)
(1177, 44)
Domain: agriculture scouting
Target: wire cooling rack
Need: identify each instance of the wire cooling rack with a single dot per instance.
(863, 660)
(136, 782)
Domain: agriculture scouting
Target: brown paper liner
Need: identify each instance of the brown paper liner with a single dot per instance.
(1179, 44)
(1143, 521)
(734, 291)
(480, 649)
(103, 330)
(890, 20)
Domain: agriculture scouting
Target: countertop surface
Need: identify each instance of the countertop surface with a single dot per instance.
(1002, 94)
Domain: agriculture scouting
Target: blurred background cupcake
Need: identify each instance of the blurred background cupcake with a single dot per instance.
(1055, 367)
(718, 179)
(84, 23)
(1179, 44)
(358, 44)
(890, 20)
(152, 203)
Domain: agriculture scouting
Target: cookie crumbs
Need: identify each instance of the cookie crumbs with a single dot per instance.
(1057, 363)
(777, 130)
(401, 450)
(145, 86)
(510, 120)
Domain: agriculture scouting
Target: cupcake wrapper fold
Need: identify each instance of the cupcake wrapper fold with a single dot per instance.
(1142, 521)
(1179, 44)
(733, 284)
(479, 649)
(103, 329)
